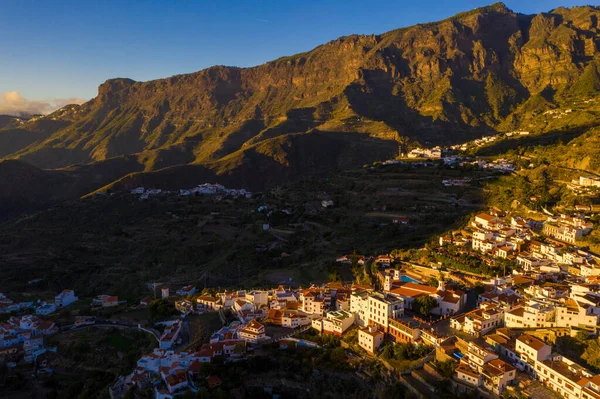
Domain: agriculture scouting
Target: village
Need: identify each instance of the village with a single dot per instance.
(217, 191)
(489, 302)
(495, 323)
(498, 336)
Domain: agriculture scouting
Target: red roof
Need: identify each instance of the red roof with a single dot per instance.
(213, 381)
(485, 217)
(195, 367)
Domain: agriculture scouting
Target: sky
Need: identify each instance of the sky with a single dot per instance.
(56, 52)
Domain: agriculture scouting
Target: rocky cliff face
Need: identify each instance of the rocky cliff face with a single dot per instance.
(440, 82)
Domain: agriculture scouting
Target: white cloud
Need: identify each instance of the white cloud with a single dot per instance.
(12, 103)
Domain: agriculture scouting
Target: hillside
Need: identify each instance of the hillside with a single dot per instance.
(200, 240)
(343, 104)
(25, 188)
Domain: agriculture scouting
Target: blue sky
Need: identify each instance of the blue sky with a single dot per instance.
(63, 49)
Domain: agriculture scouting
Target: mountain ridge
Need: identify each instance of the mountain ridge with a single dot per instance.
(485, 70)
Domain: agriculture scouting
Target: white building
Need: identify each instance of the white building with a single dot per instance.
(65, 298)
(370, 338)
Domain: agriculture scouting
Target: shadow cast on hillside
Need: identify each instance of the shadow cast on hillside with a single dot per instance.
(543, 140)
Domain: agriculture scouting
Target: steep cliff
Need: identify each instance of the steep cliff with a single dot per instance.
(352, 99)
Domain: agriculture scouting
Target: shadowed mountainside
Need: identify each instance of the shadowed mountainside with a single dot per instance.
(345, 103)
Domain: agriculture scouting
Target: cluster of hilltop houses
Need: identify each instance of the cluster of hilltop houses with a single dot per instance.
(501, 165)
(520, 240)
(557, 294)
(65, 298)
(475, 143)
(171, 373)
(585, 184)
(558, 290)
(485, 140)
(435, 153)
(515, 318)
(332, 309)
(22, 337)
(218, 190)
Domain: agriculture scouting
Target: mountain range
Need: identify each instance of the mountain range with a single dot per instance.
(354, 100)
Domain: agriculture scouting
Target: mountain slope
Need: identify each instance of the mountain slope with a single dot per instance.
(25, 188)
(442, 82)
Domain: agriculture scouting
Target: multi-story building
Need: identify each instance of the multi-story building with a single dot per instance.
(258, 298)
(382, 307)
(252, 332)
(479, 321)
(403, 330)
(65, 298)
(359, 305)
(496, 375)
(531, 350)
(478, 354)
(313, 302)
(370, 338)
(337, 322)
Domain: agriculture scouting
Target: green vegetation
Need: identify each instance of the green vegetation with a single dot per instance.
(404, 351)
(89, 360)
(161, 309)
(324, 340)
(424, 304)
(446, 368)
(583, 347)
(198, 241)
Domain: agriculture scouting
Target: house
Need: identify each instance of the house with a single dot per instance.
(171, 334)
(337, 322)
(109, 301)
(465, 379)
(384, 260)
(184, 306)
(242, 305)
(106, 301)
(176, 382)
(46, 309)
(503, 341)
(213, 381)
(208, 302)
(486, 221)
(497, 375)
(258, 298)
(532, 350)
(478, 354)
(187, 290)
(294, 319)
(449, 301)
(312, 302)
(370, 339)
(327, 203)
(359, 306)
(567, 378)
(480, 321)
(252, 332)
(146, 301)
(65, 298)
(406, 331)
(382, 307)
